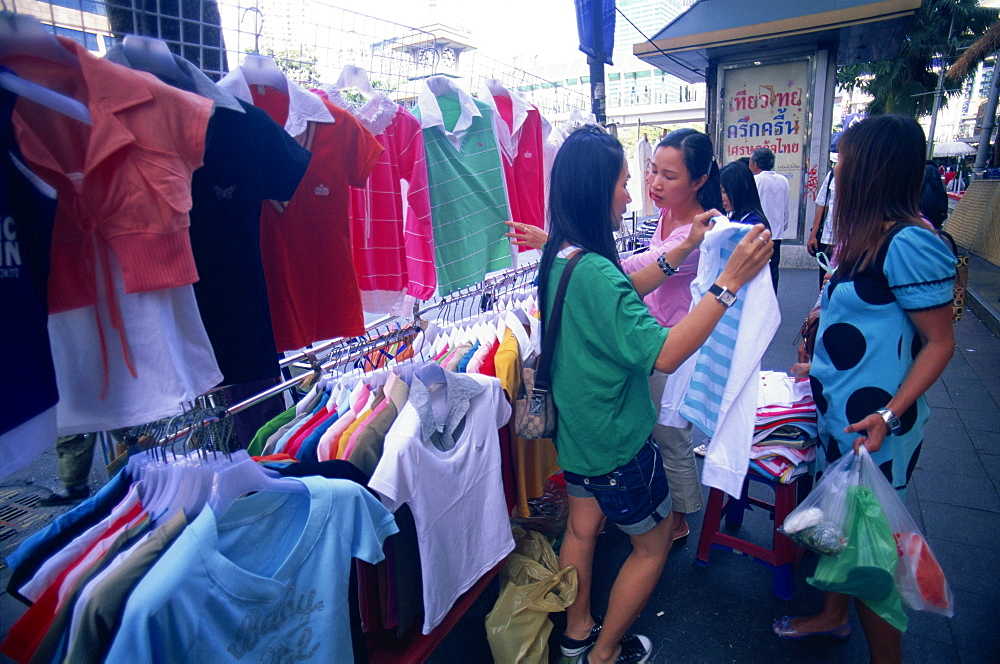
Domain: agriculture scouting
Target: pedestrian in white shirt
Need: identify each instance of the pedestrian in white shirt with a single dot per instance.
(774, 194)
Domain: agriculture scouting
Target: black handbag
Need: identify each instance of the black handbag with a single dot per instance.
(535, 410)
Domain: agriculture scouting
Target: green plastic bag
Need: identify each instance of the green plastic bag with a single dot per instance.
(865, 568)
(532, 587)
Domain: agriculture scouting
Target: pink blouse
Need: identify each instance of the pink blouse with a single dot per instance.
(671, 301)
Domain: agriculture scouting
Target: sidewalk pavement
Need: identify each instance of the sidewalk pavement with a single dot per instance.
(723, 612)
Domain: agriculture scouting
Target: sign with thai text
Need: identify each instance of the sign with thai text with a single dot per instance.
(766, 106)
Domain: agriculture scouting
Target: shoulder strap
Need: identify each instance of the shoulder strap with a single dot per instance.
(551, 330)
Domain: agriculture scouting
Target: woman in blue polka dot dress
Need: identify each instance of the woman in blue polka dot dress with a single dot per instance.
(885, 332)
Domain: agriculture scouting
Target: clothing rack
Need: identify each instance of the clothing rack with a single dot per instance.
(327, 345)
(494, 286)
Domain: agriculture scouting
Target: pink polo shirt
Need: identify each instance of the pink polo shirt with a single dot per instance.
(672, 300)
(524, 171)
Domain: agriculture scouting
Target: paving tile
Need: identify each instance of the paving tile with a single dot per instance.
(918, 650)
(11, 611)
(980, 420)
(977, 631)
(938, 396)
(964, 462)
(912, 505)
(991, 463)
(969, 393)
(985, 442)
(945, 429)
(959, 524)
(940, 487)
(930, 627)
(967, 567)
(967, 657)
(958, 369)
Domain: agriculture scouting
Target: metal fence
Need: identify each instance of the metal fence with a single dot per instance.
(311, 40)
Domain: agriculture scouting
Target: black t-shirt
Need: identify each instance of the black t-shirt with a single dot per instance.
(933, 197)
(27, 212)
(248, 159)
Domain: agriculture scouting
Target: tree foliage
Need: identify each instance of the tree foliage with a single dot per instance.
(901, 84)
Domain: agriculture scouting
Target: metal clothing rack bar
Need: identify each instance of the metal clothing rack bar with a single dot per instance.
(508, 277)
(332, 343)
(292, 382)
(487, 285)
(359, 351)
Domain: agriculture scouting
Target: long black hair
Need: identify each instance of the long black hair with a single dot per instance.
(581, 199)
(880, 177)
(741, 190)
(699, 160)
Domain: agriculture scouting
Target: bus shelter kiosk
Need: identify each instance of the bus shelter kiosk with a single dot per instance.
(770, 70)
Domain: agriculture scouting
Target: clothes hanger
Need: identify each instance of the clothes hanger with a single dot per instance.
(24, 35)
(42, 95)
(189, 478)
(160, 481)
(497, 88)
(262, 70)
(356, 78)
(430, 374)
(155, 57)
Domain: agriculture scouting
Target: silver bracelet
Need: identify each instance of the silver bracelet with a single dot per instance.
(665, 266)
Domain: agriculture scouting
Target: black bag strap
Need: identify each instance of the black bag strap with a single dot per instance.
(946, 236)
(551, 329)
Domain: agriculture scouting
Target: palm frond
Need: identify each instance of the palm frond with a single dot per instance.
(987, 45)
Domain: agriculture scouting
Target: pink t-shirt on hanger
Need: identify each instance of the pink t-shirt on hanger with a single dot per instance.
(391, 215)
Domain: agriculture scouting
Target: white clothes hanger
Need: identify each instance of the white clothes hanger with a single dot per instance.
(42, 95)
(497, 88)
(242, 475)
(155, 57)
(262, 70)
(24, 35)
(357, 78)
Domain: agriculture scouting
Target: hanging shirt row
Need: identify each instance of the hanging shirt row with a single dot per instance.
(199, 228)
(155, 566)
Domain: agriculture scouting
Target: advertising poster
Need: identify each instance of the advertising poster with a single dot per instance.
(766, 106)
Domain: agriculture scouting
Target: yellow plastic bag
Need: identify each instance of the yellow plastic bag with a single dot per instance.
(531, 587)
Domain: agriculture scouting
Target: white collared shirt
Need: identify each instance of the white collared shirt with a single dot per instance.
(303, 106)
(774, 193)
(430, 111)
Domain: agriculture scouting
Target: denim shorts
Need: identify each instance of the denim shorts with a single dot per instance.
(634, 497)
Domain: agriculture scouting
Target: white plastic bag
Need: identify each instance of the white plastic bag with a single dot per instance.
(819, 522)
(919, 578)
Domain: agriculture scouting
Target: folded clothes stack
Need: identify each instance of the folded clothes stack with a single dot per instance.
(784, 428)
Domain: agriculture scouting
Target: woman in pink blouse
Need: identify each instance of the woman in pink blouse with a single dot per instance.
(683, 182)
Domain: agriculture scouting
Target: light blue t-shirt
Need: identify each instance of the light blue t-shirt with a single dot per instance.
(266, 582)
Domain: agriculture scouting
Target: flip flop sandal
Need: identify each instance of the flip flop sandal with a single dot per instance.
(783, 629)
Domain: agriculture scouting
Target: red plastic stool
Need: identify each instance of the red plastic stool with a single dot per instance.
(783, 555)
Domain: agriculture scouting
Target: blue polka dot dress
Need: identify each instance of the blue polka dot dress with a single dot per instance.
(866, 344)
